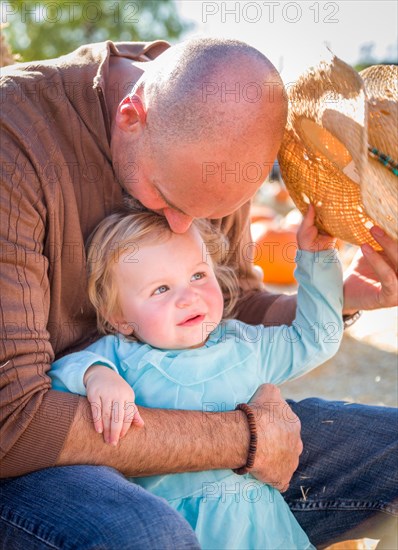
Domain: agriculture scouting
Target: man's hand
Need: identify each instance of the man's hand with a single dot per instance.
(112, 403)
(279, 443)
(371, 281)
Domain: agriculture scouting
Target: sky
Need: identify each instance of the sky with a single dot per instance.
(293, 35)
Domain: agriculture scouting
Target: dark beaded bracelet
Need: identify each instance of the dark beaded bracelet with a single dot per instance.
(349, 320)
(253, 438)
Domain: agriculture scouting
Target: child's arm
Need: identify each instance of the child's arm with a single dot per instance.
(92, 372)
(315, 335)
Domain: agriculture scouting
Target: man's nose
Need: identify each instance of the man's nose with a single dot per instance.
(178, 222)
(186, 297)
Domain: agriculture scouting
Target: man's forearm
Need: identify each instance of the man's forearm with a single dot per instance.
(171, 441)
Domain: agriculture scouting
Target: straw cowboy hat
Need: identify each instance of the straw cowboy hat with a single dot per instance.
(340, 148)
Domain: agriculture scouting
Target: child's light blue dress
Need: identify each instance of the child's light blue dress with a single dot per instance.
(227, 511)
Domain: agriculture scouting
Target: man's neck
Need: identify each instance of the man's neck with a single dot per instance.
(123, 75)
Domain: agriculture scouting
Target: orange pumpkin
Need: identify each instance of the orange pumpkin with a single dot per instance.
(274, 250)
(260, 212)
(282, 195)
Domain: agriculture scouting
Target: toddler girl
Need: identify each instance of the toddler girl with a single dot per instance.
(164, 299)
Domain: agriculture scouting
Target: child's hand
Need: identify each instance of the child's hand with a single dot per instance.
(308, 236)
(112, 403)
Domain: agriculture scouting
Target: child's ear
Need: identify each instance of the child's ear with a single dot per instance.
(122, 326)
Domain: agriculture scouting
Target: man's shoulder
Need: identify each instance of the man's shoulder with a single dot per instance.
(34, 83)
(85, 55)
(65, 76)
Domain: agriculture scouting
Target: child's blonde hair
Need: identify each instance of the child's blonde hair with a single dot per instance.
(120, 234)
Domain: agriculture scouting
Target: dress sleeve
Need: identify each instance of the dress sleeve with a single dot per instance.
(316, 332)
(68, 372)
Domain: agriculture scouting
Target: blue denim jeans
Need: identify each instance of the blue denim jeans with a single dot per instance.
(347, 481)
(82, 507)
(346, 485)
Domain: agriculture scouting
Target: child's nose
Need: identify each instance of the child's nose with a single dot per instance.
(186, 298)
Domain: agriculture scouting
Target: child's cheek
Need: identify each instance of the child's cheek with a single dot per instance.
(157, 319)
(217, 301)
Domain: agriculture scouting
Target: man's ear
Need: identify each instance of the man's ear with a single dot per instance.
(130, 114)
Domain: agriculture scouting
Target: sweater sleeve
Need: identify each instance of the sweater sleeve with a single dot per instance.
(53, 140)
(34, 419)
(315, 334)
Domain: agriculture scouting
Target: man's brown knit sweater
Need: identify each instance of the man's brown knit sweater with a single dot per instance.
(57, 183)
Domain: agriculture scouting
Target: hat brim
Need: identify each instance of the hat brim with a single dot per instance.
(324, 156)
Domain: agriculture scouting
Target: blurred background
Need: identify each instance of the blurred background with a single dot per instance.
(293, 35)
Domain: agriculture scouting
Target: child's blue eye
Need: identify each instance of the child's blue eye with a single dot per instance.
(198, 276)
(161, 290)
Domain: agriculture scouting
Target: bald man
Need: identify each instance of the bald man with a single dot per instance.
(189, 131)
(188, 121)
